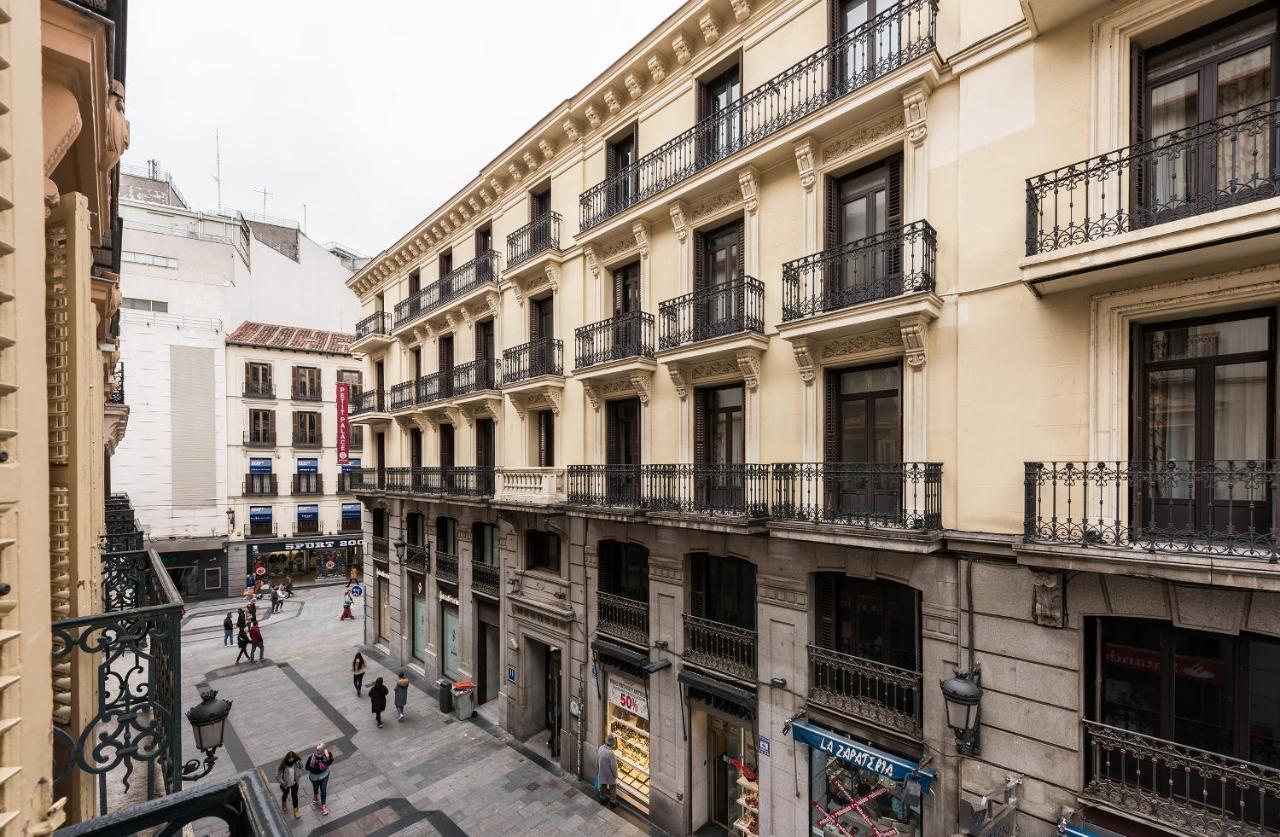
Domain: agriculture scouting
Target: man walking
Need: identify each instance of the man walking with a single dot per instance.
(255, 639)
(275, 600)
(607, 772)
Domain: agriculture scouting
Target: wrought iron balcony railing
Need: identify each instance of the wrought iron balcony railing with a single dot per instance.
(350, 524)
(363, 479)
(713, 311)
(402, 396)
(624, 618)
(533, 360)
(397, 479)
(369, 401)
(260, 485)
(418, 557)
(379, 546)
(308, 483)
(446, 567)
(116, 396)
(1214, 507)
(123, 541)
(897, 36)
(605, 486)
(476, 376)
(480, 270)
(538, 236)
(893, 263)
(1223, 162)
(877, 692)
(306, 527)
(259, 438)
(486, 579)
(1190, 790)
(379, 322)
(719, 490)
(626, 335)
(728, 649)
(429, 389)
(881, 495)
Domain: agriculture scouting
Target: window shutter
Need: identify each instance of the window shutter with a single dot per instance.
(271, 425)
(1138, 131)
(297, 427)
(612, 455)
(619, 302)
(248, 377)
(833, 211)
(319, 435)
(700, 426)
(699, 261)
(833, 18)
(535, 322)
(742, 248)
(893, 212)
(698, 596)
(824, 592)
(831, 407)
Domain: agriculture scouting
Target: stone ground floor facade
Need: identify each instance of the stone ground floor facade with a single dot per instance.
(765, 725)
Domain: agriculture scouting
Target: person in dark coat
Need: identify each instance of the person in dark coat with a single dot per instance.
(228, 630)
(241, 620)
(242, 639)
(255, 642)
(402, 695)
(378, 700)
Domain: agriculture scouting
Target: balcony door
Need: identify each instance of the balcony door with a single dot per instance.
(541, 331)
(415, 448)
(862, 206)
(723, 589)
(446, 446)
(446, 366)
(380, 452)
(619, 160)
(1205, 396)
(874, 45)
(717, 281)
(719, 446)
(626, 309)
(486, 455)
(444, 267)
(721, 118)
(485, 352)
(622, 448)
(863, 429)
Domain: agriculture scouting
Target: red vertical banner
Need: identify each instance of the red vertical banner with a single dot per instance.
(344, 423)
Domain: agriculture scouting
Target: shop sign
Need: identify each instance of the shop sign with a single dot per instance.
(259, 514)
(511, 674)
(1185, 666)
(308, 466)
(308, 512)
(350, 509)
(453, 600)
(333, 543)
(342, 399)
(862, 756)
(259, 466)
(763, 746)
(635, 702)
(351, 465)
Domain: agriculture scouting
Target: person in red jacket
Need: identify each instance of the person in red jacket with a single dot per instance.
(255, 640)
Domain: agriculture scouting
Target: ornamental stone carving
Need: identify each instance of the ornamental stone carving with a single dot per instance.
(571, 130)
(620, 247)
(514, 171)
(915, 339)
(656, 69)
(593, 117)
(530, 161)
(741, 9)
(593, 262)
(548, 150)
(593, 397)
(611, 101)
(717, 203)
(115, 138)
(749, 184)
(642, 382)
(679, 212)
(749, 364)
(455, 220)
(640, 229)
(498, 188)
(676, 371)
(710, 28)
(681, 47)
(915, 104)
(806, 152)
(634, 87)
(803, 351)
(1048, 605)
(872, 341)
(486, 196)
(553, 276)
(475, 206)
(714, 369)
(862, 137)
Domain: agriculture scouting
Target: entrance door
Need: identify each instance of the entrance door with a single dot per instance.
(489, 665)
(621, 157)
(720, 445)
(446, 446)
(419, 617)
(384, 608)
(622, 447)
(718, 309)
(864, 429)
(449, 659)
(551, 698)
(719, 742)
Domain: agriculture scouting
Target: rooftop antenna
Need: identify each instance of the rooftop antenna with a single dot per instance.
(304, 217)
(217, 158)
(265, 194)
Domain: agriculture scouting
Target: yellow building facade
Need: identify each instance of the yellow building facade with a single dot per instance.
(818, 350)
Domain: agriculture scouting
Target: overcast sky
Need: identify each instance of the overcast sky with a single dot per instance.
(371, 113)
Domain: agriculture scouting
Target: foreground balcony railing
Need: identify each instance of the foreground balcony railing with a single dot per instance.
(259, 389)
(1189, 790)
(626, 335)
(538, 236)
(380, 547)
(308, 483)
(116, 396)
(457, 481)
(446, 567)
(486, 579)
(363, 479)
(727, 649)
(713, 311)
(894, 263)
(480, 270)
(895, 37)
(1214, 507)
(476, 376)
(1223, 162)
(861, 688)
(437, 386)
(604, 486)
(881, 495)
(379, 322)
(732, 490)
(369, 401)
(397, 479)
(402, 396)
(623, 618)
(533, 360)
(260, 485)
(418, 558)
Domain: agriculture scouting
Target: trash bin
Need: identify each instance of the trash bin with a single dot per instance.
(464, 699)
(444, 690)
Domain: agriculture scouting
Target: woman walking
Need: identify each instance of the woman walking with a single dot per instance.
(318, 764)
(378, 700)
(228, 631)
(242, 639)
(347, 601)
(402, 695)
(287, 775)
(357, 672)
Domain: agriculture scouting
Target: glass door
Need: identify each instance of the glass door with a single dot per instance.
(862, 213)
(622, 418)
(873, 47)
(626, 309)
(721, 116)
(864, 429)
(721, 439)
(718, 310)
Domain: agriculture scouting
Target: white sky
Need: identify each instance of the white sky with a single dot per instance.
(371, 112)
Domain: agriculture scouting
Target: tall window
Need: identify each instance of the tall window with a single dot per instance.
(257, 380)
(415, 282)
(484, 543)
(539, 203)
(306, 383)
(624, 570)
(447, 536)
(308, 519)
(721, 118)
(356, 437)
(875, 620)
(719, 432)
(262, 427)
(350, 377)
(723, 590)
(306, 429)
(718, 269)
(542, 551)
(619, 162)
(877, 43)
(546, 439)
(860, 206)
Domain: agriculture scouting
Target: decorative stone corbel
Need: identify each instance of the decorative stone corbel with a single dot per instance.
(676, 371)
(804, 353)
(458, 416)
(454, 321)
(679, 214)
(498, 188)
(436, 233)
(115, 138)
(593, 117)
(749, 183)
(681, 48)
(611, 101)
(554, 397)
(429, 331)
(522, 407)
(915, 340)
(741, 9)
(553, 276)
(571, 130)
(915, 103)
(1049, 601)
(710, 27)
(643, 383)
(530, 161)
(589, 389)
(474, 203)
(640, 229)
(515, 173)
(548, 150)
(806, 150)
(466, 315)
(634, 87)
(593, 262)
(656, 68)
(749, 365)
(492, 300)
(486, 196)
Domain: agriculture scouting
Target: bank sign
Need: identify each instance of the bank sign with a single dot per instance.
(332, 544)
(629, 699)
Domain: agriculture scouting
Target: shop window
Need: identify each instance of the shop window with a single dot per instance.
(484, 540)
(542, 551)
(447, 536)
(213, 578)
(845, 796)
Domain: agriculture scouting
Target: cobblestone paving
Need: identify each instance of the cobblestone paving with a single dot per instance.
(429, 774)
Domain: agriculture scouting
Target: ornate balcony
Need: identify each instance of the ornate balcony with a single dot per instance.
(881, 694)
(373, 330)
(475, 377)
(418, 558)
(605, 487)
(903, 496)
(727, 649)
(617, 338)
(459, 283)
(486, 579)
(623, 618)
(1185, 789)
(116, 396)
(717, 490)
(364, 480)
(714, 311)
(446, 567)
(900, 35)
(433, 388)
(541, 235)
(530, 486)
(402, 396)
(379, 547)
(369, 402)
(535, 359)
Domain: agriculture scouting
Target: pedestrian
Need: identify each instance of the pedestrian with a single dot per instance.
(228, 631)
(241, 622)
(251, 612)
(318, 764)
(287, 775)
(255, 638)
(378, 700)
(607, 772)
(357, 672)
(347, 601)
(275, 599)
(242, 639)
(402, 695)
(288, 586)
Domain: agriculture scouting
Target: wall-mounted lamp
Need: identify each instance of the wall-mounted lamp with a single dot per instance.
(963, 695)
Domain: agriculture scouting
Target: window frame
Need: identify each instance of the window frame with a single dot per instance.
(539, 554)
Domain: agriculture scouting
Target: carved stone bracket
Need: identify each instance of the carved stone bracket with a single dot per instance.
(749, 183)
(806, 157)
(552, 272)
(453, 320)
(677, 373)
(593, 260)
(640, 229)
(634, 87)
(571, 130)
(804, 354)
(749, 363)
(548, 150)
(458, 416)
(516, 174)
(915, 340)
(611, 101)
(589, 389)
(643, 383)
(741, 9)
(1049, 601)
(915, 104)
(710, 27)
(656, 68)
(593, 117)
(680, 46)
(679, 219)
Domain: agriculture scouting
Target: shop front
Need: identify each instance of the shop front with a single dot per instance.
(726, 794)
(627, 720)
(308, 559)
(418, 616)
(855, 788)
(450, 644)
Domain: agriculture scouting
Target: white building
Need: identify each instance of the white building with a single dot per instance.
(187, 277)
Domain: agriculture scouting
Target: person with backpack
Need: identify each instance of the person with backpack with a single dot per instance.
(228, 631)
(378, 700)
(402, 695)
(357, 672)
(255, 640)
(318, 764)
(288, 774)
(347, 601)
(242, 639)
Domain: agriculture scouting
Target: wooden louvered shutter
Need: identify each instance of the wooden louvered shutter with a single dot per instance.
(700, 452)
(271, 426)
(619, 291)
(698, 595)
(248, 378)
(535, 321)
(834, 19)
(833, 213)
(831, 416)
(699, 261)
(1138, 133)
(740, 295)
(742, 248)
(824, 628)
(297, 428)
(612, 455)
(318, 438)
(893, 213)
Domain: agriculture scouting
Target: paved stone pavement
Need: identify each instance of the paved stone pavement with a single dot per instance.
(429, 774)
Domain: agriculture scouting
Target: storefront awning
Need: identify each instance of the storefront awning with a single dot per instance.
(743, 700)
(862, 756)
(1070, 830)
(632, 659)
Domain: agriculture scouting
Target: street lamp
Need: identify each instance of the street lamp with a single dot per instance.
(208, 724)
(963, 694)
(401, 547)
(231, 519)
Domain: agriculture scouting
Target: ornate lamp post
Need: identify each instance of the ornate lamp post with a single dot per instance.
(401, 548)
(208, 724)
(963, 694)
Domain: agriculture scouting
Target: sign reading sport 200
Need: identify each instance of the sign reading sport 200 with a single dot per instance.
(323, 544)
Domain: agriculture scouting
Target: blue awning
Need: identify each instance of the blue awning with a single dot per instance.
(1070, 830)
(862, 756)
